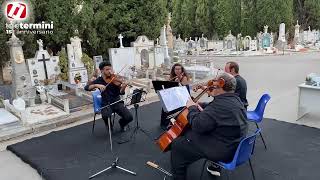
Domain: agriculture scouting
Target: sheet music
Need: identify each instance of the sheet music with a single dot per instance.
(174, 98)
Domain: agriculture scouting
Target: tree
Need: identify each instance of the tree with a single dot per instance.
(272, 13)
(202, 18)
(307, 13)
(249, 18)
(4, 50)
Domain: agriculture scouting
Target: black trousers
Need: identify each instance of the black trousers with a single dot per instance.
(183, 153)
(121, 110)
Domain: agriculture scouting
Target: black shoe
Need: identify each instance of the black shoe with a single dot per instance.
(214, 170)
(124, 128)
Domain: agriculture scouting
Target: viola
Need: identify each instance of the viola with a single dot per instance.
(181, 123)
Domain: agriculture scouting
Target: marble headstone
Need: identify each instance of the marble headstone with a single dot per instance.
(144, 52)
(282, 33)
(21, 82)
(97, 60)
(122, 58)
(230, 42)
(75, 65)
(43, 66)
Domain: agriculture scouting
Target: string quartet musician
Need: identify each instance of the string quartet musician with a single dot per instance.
(111, 88)
(216, 129)
(177, 74)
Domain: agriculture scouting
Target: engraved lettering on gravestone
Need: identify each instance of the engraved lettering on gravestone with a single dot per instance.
(34, 71)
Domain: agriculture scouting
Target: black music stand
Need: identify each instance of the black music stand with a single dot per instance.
(159, 85)
(135, 100)
(114, 164)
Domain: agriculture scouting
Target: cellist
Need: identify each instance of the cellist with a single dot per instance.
(111, 88)
(216, 129)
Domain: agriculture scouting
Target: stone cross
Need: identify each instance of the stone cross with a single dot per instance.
(266, 28)
(40, 43)
(120, 37)
(44, 64)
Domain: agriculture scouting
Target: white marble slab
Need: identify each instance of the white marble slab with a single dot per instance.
(6, 117)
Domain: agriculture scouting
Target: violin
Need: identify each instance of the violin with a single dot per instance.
(115, 79)
(181, 123)
(177, 76)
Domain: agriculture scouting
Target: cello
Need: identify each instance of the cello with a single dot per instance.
(181, 122)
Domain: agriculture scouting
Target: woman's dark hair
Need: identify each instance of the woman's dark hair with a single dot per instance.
(172, 74)
(103, 64)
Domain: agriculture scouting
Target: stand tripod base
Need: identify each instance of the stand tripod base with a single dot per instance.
(113, 165)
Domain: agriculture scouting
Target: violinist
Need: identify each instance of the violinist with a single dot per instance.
(111, 88)
(177, 74)
(216, 130)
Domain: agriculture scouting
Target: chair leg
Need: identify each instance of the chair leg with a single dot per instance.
(254, 177)
(264, 143)
(112, 122)
(94, 121)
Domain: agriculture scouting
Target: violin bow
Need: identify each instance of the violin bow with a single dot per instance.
(116, 74)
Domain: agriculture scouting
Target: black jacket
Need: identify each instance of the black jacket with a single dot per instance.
(110, 94)
(241, 89)
(219, 128)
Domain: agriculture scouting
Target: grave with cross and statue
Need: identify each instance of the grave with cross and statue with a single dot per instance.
(23, 92)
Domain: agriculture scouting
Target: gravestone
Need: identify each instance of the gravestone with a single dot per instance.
(180, 45)
(7, 73)
(282, 33)
(266, 39)
(203, 43)
(21, 82)
(97, 60)
(77, 72)
(43, 67)
(192, 45)
(297, 39)
(122, 59)
(164, 45)
(230, 42)
(144, 58)
(247, 43)
(253, 45)
(169, 34)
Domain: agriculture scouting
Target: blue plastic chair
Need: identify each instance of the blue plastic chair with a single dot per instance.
(96, 96)
(256, 116)
(243, 154)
